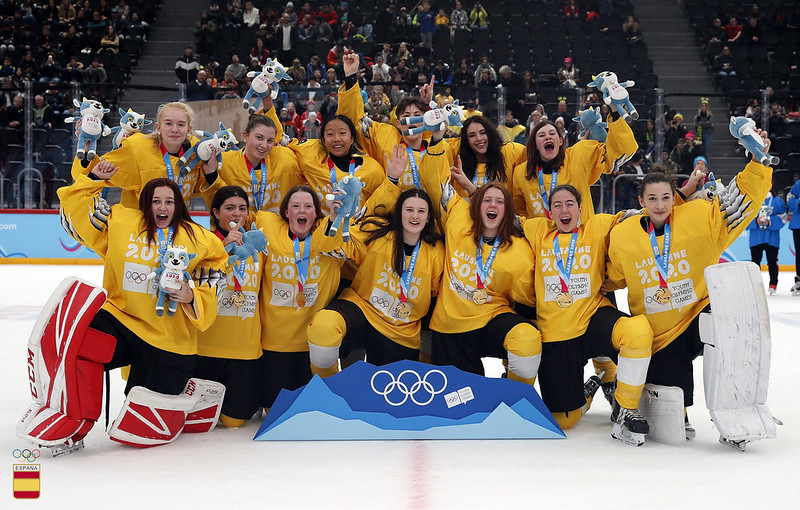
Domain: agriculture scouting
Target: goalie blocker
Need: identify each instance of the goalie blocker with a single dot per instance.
(736, 360)
(65, 363)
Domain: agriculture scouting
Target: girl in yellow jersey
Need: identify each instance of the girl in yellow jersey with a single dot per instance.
(400, 258)
(299, 280)
(264, 170)
(488, 270)
(229, 351)
(379, 139)
(142, 158)
(578, 323)
(160, 349)
(661, 260)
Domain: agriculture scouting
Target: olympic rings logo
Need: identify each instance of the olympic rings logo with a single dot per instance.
(553, 288)
(29, 455)
(225, 303)
(283, 294)
(380, 302)
(135, 276)
(406, 389)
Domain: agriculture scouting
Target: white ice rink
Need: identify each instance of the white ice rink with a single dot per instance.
(226, 469)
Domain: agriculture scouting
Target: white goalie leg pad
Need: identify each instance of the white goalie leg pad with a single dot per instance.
(323, 357)
(736, 357)
(148, 418)
(662, 407)
(205, 414)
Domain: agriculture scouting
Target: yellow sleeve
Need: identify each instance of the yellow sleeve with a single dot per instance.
(517, 193)
(619, 148)
(435, 176)
(730, 219)
(278, 126)
(522, 285)
(84, 214)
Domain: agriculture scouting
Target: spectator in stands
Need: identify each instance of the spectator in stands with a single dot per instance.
(571, 9)
(444, 97)
(236, 68)
(442, 73)
(442, 19)
(291, 120)
(646, 138)
(73, 71)
(259, 52)
(381, 72)
(511, 83)
(42, 113)
(366, 30)
(676, 131)
(50, 70)
(336, 53)
(755, 115)
(425, 22)
(327, 14)
(478, 17)
(306, 30)
(55, 99)
(684, 153)
(487, 93)
(315, 64)
(388, 55)
(733, 30)
(627, 189)
(136, 28)
(214, 70)
(109, 43)
(378, 108)
(403, 30)
(672, 167)
(510, 129)
(402, 73)
(200, 88)
(631, 30)
(459, 19)
(777, 122)
(383, 24)
(331, 79)
(251, 16)
(95, 73)
(232, 17)
(421, 67)
(297, 72)
(186, 66)
(6, 37)
(403, 51)
(704, 126)
(484, 66)
(348, 10)
(562, 113)
(464, 80)
(752, 33)
(205, 34)
(285, 39)
(568, 75)
(15, 114)
(529, 88)
(97, 23)
(324, 32)
(306, 12)
(289, 11)
(66, 11)
(228, 88)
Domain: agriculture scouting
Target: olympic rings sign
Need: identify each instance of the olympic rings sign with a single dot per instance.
(29, 455)
(135, 276)
(409, 390)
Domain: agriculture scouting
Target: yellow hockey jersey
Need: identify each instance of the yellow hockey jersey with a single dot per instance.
(584, 163)
(283, 319)
(376, 285)
(700, 232)
(120, 240)
(139, 160)
(588, 274)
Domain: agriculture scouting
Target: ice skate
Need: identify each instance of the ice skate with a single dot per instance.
(691, 433)
(591, 386)
(796, 287)
(629, 426)
(772, 289)
(608, 391)
(738, 445)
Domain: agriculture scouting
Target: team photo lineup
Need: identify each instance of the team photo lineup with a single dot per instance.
(422, 235)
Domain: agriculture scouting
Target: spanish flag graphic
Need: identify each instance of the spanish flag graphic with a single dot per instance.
(27, 483)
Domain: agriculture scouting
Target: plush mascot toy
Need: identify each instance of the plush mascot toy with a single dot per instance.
(614, 94)
(592, 122)
(709, 190)
(255, 241)
(349, 192)
(130, 122)
(92, 126)
(223, 140)
(174, 262)
(435, 119)
(270, 74)
(744, 130)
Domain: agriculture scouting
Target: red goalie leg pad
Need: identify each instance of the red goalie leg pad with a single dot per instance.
(151, 419)
(204, 416)
(49, 427)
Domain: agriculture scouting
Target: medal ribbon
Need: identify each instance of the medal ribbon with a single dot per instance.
(408, 272)
(545, 196)
(483, 269)
(170, 170)
(302, 261)
(260, 195)
(412, 164)
(332, 168)
(565, 268)
(238, 269)
(164, 242)
(662, 259)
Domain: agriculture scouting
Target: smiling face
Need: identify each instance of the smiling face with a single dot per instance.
(163, 206)
(492, 212)
(337, 138)
(173, 125)
(658, 198)
(258, 143)
(477, 138)
(301, 214)
(548, 142)
(565, 211)
(415, 215)
(232, 210)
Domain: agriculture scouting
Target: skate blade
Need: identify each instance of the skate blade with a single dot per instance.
(64, 449)
(626, 436)
(737, 445)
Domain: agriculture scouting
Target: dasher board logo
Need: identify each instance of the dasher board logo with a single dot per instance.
(27, 477)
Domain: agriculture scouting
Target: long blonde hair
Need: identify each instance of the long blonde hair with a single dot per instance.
(156, 135)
